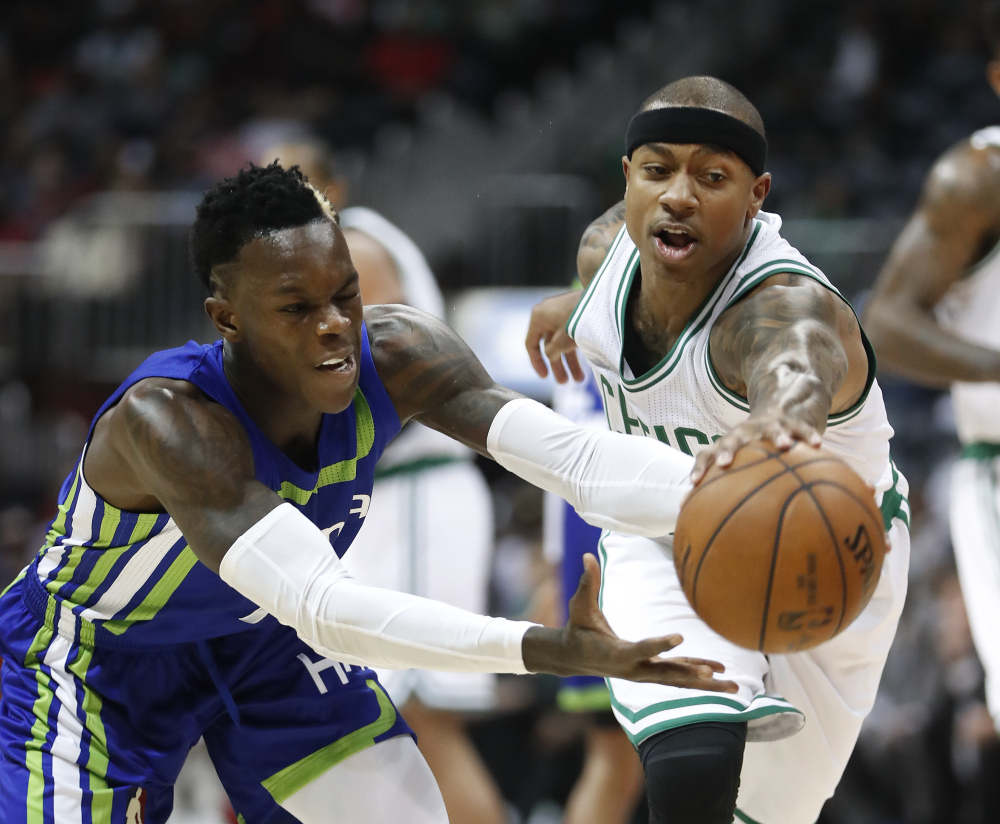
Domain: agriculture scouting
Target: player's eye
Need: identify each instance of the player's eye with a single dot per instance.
(294, 308)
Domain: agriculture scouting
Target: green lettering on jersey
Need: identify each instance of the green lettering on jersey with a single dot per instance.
(661, 434)
(629, 423)
(608, 390)
(682, 433)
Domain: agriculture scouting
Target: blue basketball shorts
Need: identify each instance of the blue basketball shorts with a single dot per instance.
(579, 693)
(97, 736)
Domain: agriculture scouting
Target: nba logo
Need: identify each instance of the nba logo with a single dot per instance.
(136, 812)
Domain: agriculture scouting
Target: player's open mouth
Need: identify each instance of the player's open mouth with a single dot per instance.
(674, 245)
(338, 365)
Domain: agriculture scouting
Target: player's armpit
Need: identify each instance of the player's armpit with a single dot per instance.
(432, 376)
(179, 451)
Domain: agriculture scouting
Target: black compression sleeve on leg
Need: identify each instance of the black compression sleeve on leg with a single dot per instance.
(693, 773)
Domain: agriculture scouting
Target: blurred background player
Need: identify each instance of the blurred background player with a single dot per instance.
(934, 318)
(432, 530)
(611, 781)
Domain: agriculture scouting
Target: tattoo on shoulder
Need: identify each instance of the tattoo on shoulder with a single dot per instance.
(424, 366)
(190, 447)
(597, 240)
(782, 324)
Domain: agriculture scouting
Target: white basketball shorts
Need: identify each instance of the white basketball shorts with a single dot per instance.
(975, 538)
(430, 533)
(803, 710)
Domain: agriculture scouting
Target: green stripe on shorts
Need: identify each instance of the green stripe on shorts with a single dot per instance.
(283, 785)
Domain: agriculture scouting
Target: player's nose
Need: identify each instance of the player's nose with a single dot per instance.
(677, 195)
(332, 321)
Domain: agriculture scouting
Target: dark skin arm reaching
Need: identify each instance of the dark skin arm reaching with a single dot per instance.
(957, 221)
(547, 327)
(433, 377)
(167, 447)
(793, 348)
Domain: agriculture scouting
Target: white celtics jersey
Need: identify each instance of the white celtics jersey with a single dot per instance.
(416, 446)
(970, 309)
(681, 400)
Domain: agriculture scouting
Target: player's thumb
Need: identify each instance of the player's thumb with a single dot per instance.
(584, 601)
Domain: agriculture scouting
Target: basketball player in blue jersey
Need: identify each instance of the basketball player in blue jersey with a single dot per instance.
(190, 584)
(934, 317)
(707, 330)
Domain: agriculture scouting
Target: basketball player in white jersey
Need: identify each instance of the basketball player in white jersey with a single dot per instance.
(934, 317)
(707, 330)
(432, 530)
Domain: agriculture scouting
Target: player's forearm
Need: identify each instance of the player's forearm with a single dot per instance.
(796, 387)
(619, 482)
(909, 342)
(285, 565)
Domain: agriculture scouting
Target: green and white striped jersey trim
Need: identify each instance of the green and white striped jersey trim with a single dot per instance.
(666, 715)
(581, 306)
(698, 321)
(750, 282)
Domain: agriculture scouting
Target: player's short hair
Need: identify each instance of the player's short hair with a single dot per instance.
(257, 201)
(707, 93)
(991, 27)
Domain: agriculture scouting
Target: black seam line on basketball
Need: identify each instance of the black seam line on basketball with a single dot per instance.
(860, 502)
(705, 484)
(775, 454)
(774, 563)
(807, 485)
(722, 523)
(850, 494)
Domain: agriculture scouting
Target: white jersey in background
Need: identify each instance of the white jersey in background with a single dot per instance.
(804, 710)
(432, 530)
(970, 310)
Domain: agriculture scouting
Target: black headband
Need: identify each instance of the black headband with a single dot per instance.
(690, 124)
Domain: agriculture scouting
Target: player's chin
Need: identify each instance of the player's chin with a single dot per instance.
(333, 393)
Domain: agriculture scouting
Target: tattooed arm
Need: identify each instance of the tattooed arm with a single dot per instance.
(793, 349)
(547, 327)
(433, 377)
(954, 226)
(166, 446)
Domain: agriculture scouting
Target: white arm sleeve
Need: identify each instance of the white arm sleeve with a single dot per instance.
(615, 481)
(285, 564)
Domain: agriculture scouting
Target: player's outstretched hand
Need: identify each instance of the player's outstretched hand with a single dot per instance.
(775, 426)
(587, 646)
(547, 333)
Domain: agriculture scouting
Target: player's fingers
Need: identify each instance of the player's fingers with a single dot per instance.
(558, 370)
(691, 676)
(701, 465)
(573, 362)
(533, 344)
(652, 647)
(583, 604)
(715, 666)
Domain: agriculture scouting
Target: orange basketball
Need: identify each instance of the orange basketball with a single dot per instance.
(781, 550)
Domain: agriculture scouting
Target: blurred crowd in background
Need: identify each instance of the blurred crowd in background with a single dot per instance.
(154, 96)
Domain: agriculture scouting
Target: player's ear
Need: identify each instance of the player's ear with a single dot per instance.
(993, 75)
(626, 169)
(761, 186)
(223, 316)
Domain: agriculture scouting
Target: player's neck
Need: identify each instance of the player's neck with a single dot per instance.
(288, 423)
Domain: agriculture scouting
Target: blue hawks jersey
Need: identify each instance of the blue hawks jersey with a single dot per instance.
(109, 577)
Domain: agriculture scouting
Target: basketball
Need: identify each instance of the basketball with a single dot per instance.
(780, 551)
